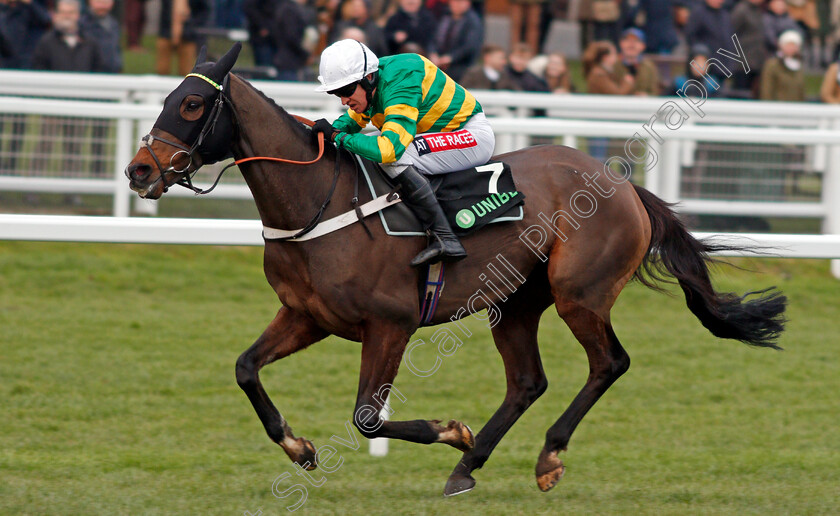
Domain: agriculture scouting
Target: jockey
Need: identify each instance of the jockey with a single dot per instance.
(428, 125)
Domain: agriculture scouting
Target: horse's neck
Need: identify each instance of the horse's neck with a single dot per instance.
(287, 196)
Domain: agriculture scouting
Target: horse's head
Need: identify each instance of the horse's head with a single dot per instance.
(194, 128)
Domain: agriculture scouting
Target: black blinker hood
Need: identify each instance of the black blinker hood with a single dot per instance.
(170, 119)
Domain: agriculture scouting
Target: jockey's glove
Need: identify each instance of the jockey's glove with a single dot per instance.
(325, 127)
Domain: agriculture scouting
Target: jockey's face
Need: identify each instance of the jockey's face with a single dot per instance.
(357, 101)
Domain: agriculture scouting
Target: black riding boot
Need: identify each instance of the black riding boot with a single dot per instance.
(418, 195)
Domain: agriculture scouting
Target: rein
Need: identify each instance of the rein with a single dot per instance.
(304, 121)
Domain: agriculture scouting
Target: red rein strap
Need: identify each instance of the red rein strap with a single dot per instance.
(304, 121)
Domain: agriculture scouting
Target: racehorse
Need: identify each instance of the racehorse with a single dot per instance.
(356, 283)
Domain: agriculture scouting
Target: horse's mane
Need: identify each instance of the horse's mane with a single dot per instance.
(296, 126)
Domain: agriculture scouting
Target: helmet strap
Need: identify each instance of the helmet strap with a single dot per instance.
(369, 85)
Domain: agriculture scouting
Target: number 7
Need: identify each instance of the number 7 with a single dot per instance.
(497, 169)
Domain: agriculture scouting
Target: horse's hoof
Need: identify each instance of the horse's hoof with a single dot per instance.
(549, 470)
(458, 484)
(301, 451)
(457, 435)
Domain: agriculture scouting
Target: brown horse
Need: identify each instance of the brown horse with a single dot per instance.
(575, 255)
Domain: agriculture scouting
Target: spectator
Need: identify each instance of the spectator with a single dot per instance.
(228, 14)
(63, 48)
(381, 10)
(656, 20)
(354, 33)
(23, 24)
(700, 56)
(290, 24)
(830, 89)
(633, 63)
(748, 23)
(490, 74)
(710, 24)
(600, 20)
(776, 21)
(412, 23)
(135, 20)
(438, 8)
(557, 74)
(517, 68)
(259, 15)
(599, 62)
(457, 43)
(355, 13)
(525, 22)
(783, 78)
(177, 33)
(682, 12)
(805, 14)
(100, 26)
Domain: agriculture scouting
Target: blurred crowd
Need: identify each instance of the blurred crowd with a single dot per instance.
(630, 47)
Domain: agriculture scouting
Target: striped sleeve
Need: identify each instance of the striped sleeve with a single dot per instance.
(350, 122)
(399, 125)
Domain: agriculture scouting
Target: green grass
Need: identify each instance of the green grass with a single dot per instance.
(118, 397)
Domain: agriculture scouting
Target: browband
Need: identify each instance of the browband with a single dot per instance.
(208, 79)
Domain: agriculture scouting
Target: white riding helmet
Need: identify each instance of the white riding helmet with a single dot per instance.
(345, 62)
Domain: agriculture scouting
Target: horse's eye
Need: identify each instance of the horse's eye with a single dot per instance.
(192, 108)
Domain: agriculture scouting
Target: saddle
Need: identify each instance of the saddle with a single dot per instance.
(470, 198)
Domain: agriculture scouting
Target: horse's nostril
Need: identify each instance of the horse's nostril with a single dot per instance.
(139, 170)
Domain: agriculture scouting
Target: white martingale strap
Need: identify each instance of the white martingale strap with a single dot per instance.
(335, 223)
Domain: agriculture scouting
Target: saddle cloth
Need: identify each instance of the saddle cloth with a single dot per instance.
(470, 198)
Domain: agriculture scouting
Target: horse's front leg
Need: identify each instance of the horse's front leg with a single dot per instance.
(382, 349)
(290, 331)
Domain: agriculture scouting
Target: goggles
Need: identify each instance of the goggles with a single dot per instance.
(344, 91)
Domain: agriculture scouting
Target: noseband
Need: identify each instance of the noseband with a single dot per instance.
(209, 126)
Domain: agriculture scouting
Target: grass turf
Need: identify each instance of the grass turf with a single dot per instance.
(118, 397)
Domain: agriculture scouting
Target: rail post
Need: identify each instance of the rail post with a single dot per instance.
(831, 196)
(122, 201)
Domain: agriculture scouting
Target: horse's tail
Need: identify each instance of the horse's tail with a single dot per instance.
(673, 250)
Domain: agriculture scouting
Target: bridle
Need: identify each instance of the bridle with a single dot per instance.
(209, 126)
(185, 174)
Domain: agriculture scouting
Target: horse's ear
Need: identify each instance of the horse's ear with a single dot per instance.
(202, 55)
(226, 62)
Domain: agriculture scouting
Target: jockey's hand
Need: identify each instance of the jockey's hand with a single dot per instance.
(325, 127)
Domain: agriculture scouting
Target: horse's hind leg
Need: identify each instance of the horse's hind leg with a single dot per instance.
(607, 361)
(290, 331)
(516, 339)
